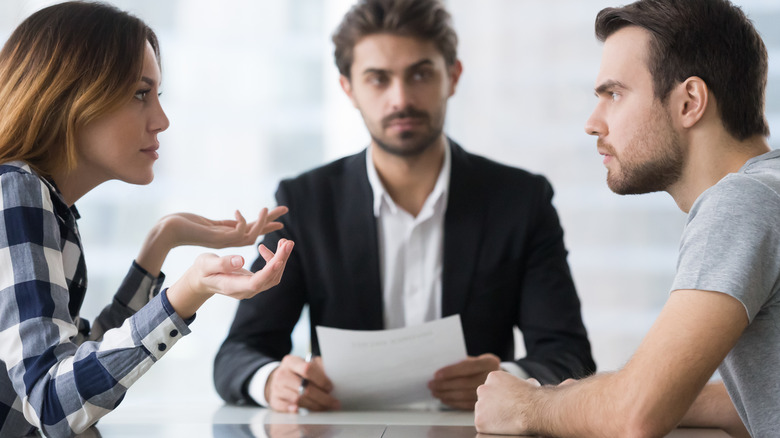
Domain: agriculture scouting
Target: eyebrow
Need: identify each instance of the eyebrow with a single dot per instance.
(416, 65)
(148, 80)
(609, 86)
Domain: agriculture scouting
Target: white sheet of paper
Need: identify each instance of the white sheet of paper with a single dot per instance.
(385, 368)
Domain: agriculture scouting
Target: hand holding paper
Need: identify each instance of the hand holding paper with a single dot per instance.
(385, 368)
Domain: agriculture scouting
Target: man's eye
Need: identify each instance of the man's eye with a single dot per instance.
(378, 80)
(421, 75)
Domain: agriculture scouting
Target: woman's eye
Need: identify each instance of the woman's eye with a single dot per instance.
(141, 94)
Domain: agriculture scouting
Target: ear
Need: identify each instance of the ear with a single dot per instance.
(346, 85)
(690, 100)
(454, 72)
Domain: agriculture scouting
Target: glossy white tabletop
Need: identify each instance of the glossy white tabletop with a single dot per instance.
(198, 419)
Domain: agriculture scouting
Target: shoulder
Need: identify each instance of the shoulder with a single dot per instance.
(740, 194)
(314, 181)
(20, 186)
(492, 174)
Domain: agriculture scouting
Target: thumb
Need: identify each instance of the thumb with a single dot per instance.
(211, 264)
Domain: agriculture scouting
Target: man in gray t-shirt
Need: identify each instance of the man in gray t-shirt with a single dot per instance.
(681, 109)
(731, 245)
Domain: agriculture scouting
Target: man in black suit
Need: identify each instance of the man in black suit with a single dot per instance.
(412, 229)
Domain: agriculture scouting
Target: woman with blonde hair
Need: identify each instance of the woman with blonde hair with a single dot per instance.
(79, 106)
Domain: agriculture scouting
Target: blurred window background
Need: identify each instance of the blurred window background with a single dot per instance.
(252, 93)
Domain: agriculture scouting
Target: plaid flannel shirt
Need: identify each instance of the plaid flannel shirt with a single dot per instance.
(57, 374)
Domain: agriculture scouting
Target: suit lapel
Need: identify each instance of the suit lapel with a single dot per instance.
(359, 241)
(463, 230)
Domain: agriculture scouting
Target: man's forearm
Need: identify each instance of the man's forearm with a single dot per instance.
(714, 408)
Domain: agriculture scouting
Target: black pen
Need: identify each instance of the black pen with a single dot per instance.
(304, 381)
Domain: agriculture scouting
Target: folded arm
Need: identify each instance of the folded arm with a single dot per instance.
(648, 397)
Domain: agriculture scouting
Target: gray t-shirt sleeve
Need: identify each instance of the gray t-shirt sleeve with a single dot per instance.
(730, 243)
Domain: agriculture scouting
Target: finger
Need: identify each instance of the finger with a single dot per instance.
(271, 226)
(314, 373)
(533, 381)
(316, 399)
(468, 367)
(240, 222)
(271, 273)
(262, 218)
(457, 384)
(211, 264)
(254, 229)
(277, 212)
(266, 253)
(457, 399)
(567, 382)
(288, 386)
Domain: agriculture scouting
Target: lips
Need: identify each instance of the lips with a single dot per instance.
(605, 150)
(152, 151)
(405, 123)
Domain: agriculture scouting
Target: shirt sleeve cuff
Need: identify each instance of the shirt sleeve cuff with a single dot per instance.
(515, 370)
(138, 287)
(158, 328)
(257, 384)
(169, 308)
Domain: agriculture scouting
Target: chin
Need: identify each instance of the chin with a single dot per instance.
(139, 179)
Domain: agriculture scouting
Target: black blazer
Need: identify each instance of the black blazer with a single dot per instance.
(504, 266)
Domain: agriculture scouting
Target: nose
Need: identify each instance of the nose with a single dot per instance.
(400, 96)
(159, 121)
(595, 125)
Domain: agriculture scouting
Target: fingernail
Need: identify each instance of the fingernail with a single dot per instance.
(237, 261)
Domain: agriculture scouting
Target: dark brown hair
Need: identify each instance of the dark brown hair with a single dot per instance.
(65, 66)
(424, 19)
(710, 39)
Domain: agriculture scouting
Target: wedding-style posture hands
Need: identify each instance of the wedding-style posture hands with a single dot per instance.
(456, 385)
(286, 392)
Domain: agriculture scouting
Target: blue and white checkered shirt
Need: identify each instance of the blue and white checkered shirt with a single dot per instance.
(57, 374)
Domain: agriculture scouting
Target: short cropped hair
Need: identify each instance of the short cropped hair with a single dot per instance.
(710, 39)
(424, 19)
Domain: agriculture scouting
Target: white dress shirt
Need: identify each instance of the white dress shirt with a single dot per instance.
(411, 255)
(410, 251)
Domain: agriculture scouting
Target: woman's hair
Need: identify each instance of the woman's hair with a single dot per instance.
(63, 67)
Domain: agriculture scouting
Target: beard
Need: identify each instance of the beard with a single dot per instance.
(652, 161)
(410, 143)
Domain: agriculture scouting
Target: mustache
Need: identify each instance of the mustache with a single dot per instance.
(606, 147)
(406, 113)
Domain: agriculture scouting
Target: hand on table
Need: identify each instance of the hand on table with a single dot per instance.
(456, 385)
(283, 388)
(502, 404)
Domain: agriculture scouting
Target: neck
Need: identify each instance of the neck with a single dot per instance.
(409, 180)
(711, 157)
(73, 184)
